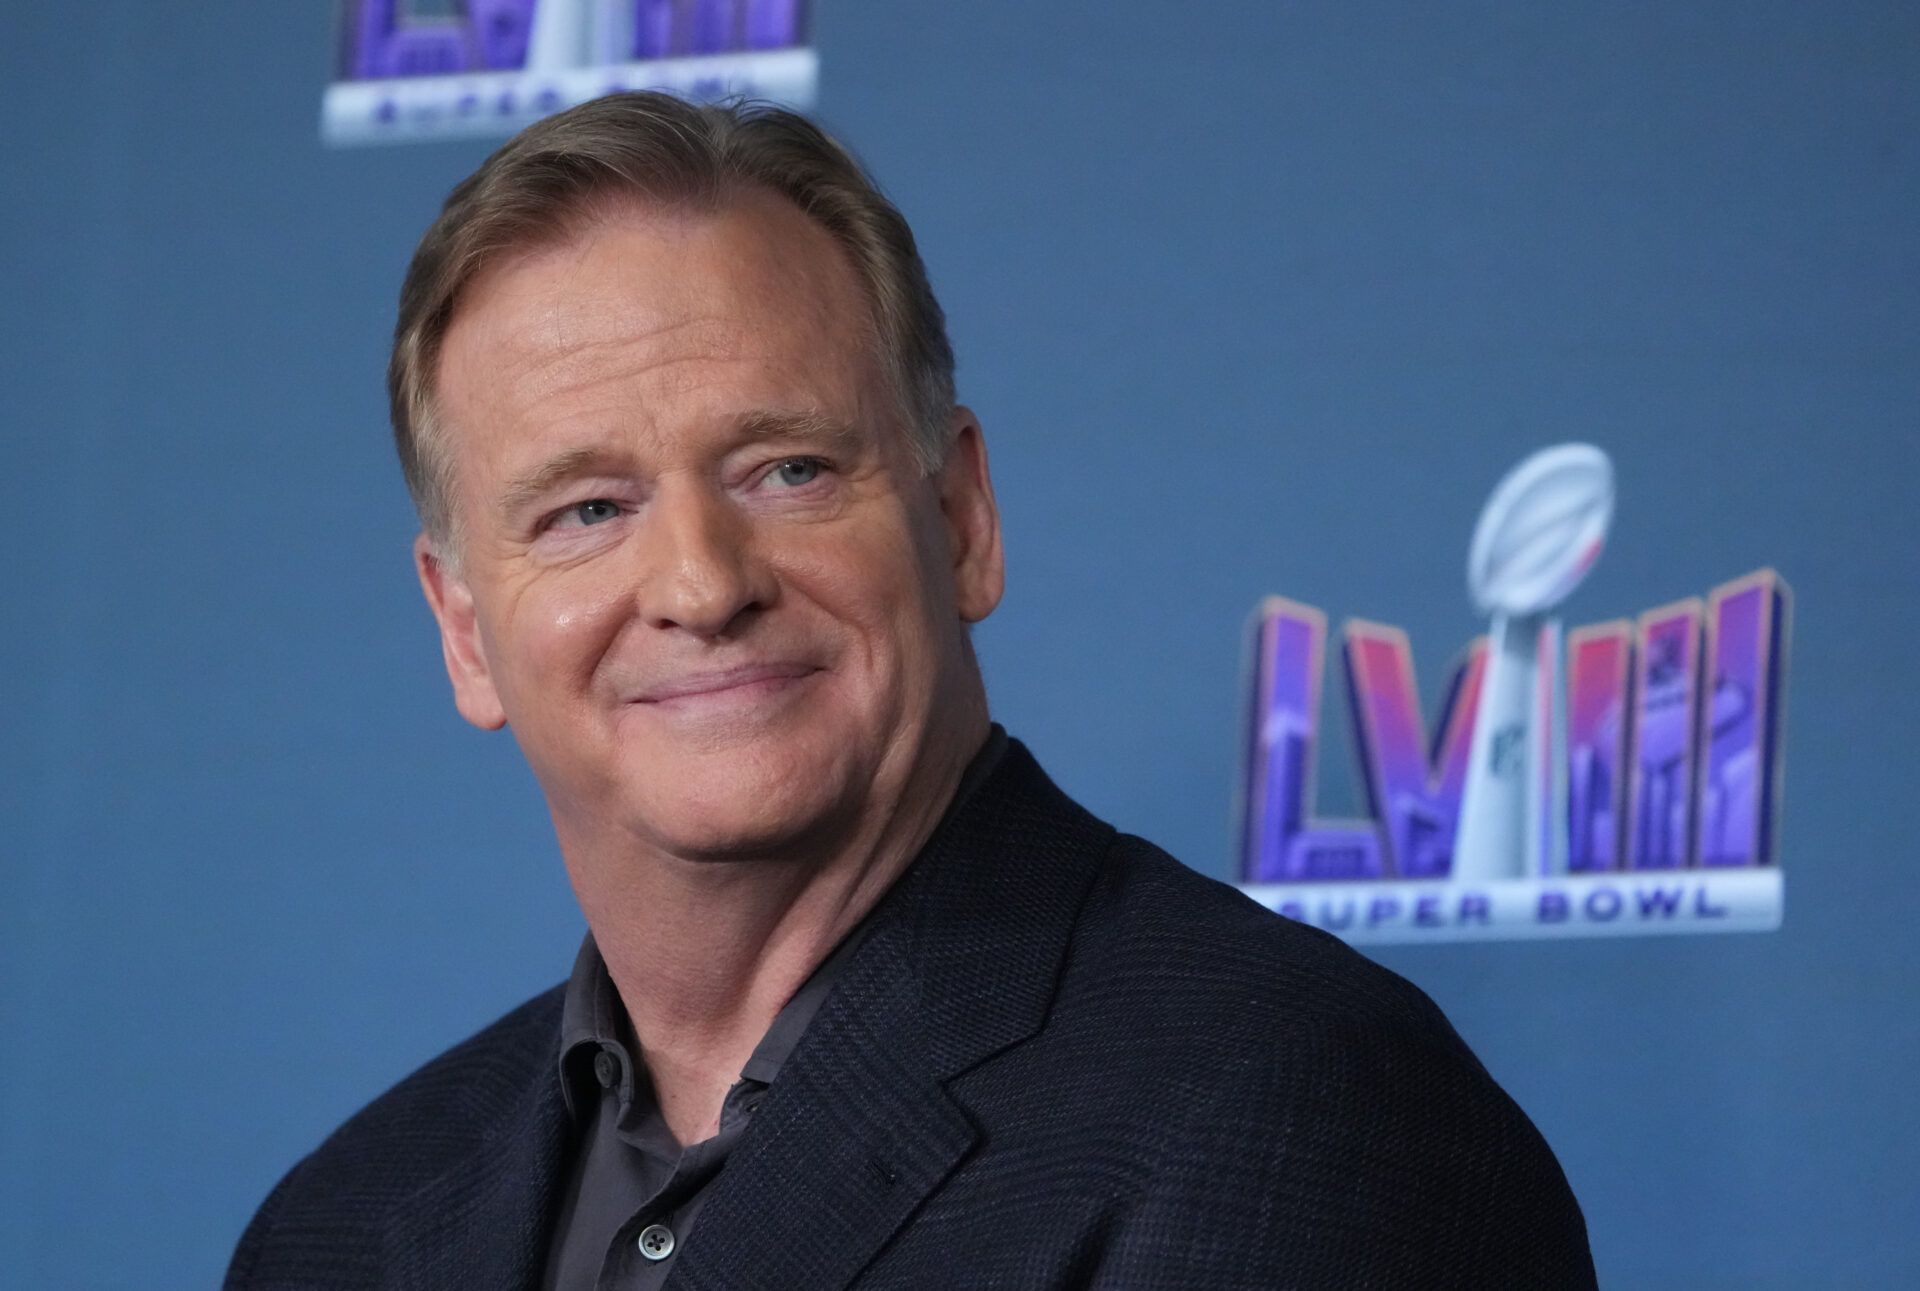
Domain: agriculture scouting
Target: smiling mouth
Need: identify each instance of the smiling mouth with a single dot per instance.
(744, 683)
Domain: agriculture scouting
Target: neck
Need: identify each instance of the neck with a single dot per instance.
(705, 953)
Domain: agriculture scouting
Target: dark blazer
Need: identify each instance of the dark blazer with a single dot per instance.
(1060, 1059)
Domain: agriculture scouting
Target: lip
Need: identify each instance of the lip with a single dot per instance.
(723, 681)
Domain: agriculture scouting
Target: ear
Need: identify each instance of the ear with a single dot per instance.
(447, 593)
(973, 520)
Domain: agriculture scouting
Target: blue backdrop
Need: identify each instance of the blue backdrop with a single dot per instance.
(1251, 298)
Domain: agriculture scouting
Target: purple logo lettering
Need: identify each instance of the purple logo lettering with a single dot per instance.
(387, 38)
(675, 28)
(1740, 730)
(1414, 794)
(1666, 719)
(1282, 841)
(382, 39)
(1673, 739)
(1598, 661)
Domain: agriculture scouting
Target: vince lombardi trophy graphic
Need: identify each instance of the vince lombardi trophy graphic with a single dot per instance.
(1540, 533)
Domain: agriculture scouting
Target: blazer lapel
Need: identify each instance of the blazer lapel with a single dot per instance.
(853, 1135)
(859, 1128)
(485, 1221)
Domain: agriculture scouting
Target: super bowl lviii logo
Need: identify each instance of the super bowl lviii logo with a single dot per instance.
(1623, 777)
(433, 69)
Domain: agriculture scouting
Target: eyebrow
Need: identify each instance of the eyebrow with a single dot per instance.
(538, 482)
(755, 427)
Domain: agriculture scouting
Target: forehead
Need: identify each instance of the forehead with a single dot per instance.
(668, 301)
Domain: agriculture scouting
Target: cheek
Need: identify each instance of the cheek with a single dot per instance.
(889, 588)
(551, 637)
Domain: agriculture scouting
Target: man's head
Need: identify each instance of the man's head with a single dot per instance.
(702, 522)
(558, 172)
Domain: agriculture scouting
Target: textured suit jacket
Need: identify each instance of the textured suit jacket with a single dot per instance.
(1061, 1059)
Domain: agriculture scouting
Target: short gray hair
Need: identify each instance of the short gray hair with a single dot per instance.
(544, 180)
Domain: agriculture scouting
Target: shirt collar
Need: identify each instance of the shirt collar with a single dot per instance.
(593, 1017)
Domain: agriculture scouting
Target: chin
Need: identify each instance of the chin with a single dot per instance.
(740, 816)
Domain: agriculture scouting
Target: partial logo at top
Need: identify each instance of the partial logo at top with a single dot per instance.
(1622, 777)
(436, 69)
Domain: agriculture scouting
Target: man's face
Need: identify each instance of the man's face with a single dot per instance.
(701, 574)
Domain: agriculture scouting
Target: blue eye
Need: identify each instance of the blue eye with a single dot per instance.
(594, 511)
(797, 471)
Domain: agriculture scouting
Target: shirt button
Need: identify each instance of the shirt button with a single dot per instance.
(656, 1241)
(606, 1069)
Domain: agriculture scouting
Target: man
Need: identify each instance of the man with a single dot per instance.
(866, 1000)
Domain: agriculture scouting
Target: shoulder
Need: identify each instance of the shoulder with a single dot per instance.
(331, 1202)
(1318, 1092)
(1204, 957)
(463, 1094)
(1234, 1002)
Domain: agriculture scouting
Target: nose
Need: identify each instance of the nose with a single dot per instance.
(701, 572)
